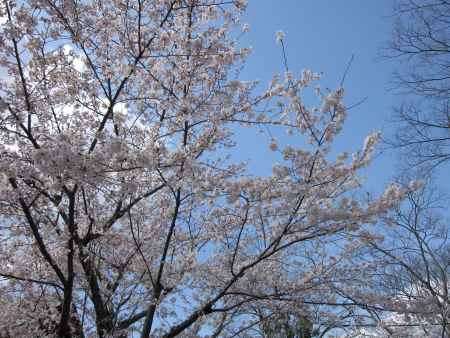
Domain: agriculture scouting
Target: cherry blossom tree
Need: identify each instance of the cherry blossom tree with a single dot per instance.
(123, 211)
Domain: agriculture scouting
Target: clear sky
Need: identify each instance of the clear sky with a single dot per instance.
(322, 35)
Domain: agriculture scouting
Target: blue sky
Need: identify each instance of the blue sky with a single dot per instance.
(322, 35)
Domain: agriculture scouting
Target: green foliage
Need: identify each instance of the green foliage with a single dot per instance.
(287, 325)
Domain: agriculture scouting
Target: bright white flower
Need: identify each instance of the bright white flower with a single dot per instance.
(415, 184)
(371, 140)
(280, 36)
(3, 19)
